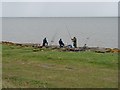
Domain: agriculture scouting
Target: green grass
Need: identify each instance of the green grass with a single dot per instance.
(53, 69)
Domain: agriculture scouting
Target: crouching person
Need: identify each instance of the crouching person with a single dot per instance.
(45, 43)
(61, 44)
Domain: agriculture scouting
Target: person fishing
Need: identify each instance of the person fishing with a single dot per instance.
(74, 40)
(61, 43)
(84, 47)
(45, 43)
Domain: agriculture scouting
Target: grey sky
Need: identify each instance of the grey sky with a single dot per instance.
(60, 9)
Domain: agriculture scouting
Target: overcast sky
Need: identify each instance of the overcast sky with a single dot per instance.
(60, 9)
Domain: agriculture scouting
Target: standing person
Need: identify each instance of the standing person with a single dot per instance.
(61, 43)
(74, 40)
(45, 43)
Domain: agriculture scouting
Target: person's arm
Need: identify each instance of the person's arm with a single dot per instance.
(72, 39)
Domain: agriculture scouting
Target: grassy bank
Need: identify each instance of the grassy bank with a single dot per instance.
(53, 69)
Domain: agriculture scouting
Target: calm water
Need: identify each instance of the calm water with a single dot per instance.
(102, 32)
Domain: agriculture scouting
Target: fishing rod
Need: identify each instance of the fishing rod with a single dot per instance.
(53, 38)
(89, 37)
(68, 32)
